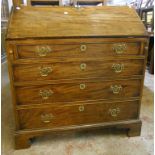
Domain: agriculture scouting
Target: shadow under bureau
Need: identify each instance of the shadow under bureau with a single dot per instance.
(83, 69)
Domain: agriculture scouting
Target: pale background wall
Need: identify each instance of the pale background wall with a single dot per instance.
(10, 4)
(109, 2)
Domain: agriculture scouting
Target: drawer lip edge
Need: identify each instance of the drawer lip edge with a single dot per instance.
(67, 81)
(60, 60)
(82, 42)
(141, 36)
(24, 107)
(74, 127)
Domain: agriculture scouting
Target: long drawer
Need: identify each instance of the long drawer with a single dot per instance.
(78, 91)
(69, 114)
(75, 70)
(78, 50)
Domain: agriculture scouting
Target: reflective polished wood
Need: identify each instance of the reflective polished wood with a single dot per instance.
(79, 70)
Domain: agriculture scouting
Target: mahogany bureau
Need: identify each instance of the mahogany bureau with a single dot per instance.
(75, 68)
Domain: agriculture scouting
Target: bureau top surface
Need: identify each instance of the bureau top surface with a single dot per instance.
(65, 22)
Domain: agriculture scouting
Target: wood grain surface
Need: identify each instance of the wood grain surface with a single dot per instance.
(70, 51)
(72, 70)
(69, 92)
(66, 115)
(51, 92)
(52, 22)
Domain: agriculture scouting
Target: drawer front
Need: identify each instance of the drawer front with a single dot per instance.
(58, 116)
(79, 91)
(79, 50)
(75, 70)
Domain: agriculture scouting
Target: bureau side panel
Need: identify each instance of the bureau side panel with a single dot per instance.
(144, 49)
(10, 50)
